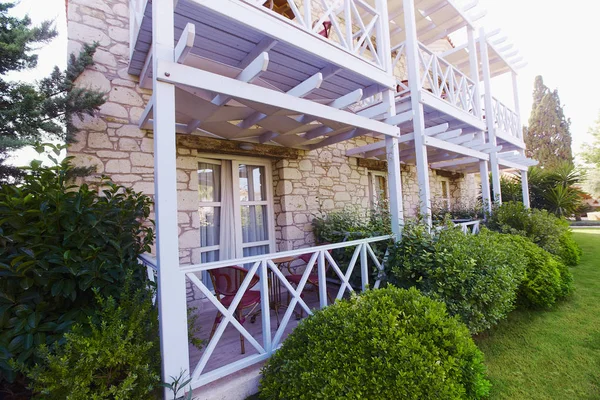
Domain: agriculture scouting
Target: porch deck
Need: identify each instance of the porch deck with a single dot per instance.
(228, 349)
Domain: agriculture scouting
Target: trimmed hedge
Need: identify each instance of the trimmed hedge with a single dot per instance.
(477, 276)
(546, 278)
(384, 344)
(542, 228)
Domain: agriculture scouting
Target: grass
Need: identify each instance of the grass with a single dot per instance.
(552, 354)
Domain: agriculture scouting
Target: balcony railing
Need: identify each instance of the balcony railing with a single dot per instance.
(354, 25)
(506, 120)
(438, 76)
(360, 268)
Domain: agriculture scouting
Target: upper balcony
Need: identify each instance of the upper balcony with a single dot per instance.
(301, 36)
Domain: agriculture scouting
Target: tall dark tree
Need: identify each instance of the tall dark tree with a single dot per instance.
(548, 137)
(31, 113)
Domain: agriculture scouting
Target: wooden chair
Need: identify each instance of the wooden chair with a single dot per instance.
(313, 278)
(226, 282)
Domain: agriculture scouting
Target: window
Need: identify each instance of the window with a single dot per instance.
(445, 193)
(235, 208)
(377, 188)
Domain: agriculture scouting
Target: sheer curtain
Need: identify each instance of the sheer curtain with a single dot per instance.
(227, 222)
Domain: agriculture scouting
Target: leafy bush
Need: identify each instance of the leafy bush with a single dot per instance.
(118, 359)
(477, 276)
(57, 243)
(546, 279)
(384, 344)
(352, 224)
(544, 229)
(458, 210)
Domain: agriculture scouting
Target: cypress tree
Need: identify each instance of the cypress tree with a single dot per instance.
(31, 113)
(548, 136)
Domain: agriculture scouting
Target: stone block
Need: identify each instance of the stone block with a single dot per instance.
(119, 166)
(128, 144)
(189, 239)
(118, 34)
(342, 196)
(114, 110)
(293, 203)
(127, 96)
(306, 165)
(187, 200)
(93, 80)
(142, 160)
(99, 140)
(87, 34)
(292, 233)
(130, 131)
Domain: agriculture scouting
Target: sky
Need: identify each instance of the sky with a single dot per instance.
(558, 39)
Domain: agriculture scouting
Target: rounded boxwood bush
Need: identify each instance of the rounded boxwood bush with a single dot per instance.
(546, 278)
(476, 276)
(384, 344)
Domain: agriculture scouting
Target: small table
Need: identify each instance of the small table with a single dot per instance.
(275, 301)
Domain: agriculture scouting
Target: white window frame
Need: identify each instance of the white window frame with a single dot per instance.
(446, 200)
(373, 196)
(237, 203)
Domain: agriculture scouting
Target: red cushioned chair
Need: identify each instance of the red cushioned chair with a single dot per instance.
(226, 282)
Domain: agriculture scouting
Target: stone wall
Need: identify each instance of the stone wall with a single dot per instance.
(305, 185)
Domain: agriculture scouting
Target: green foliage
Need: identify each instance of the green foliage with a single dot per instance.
(178, 384)
(591, 156)
(457, 210)
(193, 328)
(33, 112)
(475, 275)
(542, 228)
(384, 344)
(352, 224)
(548, 136)
(57, 243)
(115, 358)
(546, 279)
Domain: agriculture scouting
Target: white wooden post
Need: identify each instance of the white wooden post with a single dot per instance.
(171, 281)
(483, 166)
(364, 267)
(490, 116)
(517, 104)
(525, 188)
(322, 276)
(412, 63)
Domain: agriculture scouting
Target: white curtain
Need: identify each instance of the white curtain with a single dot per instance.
(227, 223)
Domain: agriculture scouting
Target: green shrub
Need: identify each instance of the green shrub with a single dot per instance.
(57, 243)
(546, 278)
(352, 224)
(477, 276)
(544, 229)
(384, 344)
(119, 358)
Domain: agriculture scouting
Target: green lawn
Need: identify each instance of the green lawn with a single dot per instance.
(552, 354)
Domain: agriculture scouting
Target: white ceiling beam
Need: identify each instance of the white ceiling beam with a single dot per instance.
(145, 78)
(263, 46)
(339, 103)
(340, 137)
(185, 44)
(449, 135)
(461, 139)
(183, 75)
(400, 118)
(455, 148)
(493, 33)
(248, 74)
(374, 111)
(267, 136)
(470, 5)
(145, 117)
(454, 163)
(436, 130)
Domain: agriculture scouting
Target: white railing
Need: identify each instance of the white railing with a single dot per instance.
(354, 25)
(438, 76)
(151, 270)
(268, 340)
(471, 227)
(506, 120)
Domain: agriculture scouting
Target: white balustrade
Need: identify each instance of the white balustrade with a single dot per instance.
(268, 340)
(506, 120)
(471, 227)
(438, 76)
(351, 24)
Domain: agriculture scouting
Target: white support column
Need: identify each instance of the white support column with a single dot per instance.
(485, 186)
(171, 281)
(517, 103)
(489, 112)
(412, 63)
(394, 175)
(525, 188)
(483, 166)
